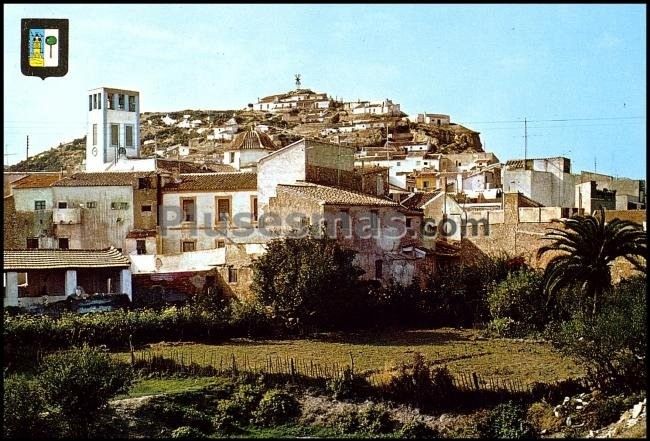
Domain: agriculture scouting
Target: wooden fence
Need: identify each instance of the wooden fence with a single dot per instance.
(301, 371)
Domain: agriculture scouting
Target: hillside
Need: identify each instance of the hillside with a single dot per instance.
(196, 128)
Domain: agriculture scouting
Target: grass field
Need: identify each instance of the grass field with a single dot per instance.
(459, 350)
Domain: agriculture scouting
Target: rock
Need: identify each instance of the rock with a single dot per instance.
(568, 421)
(591, 434)
(637, 409)
(579, 407)
(543, 432)
(566, 400)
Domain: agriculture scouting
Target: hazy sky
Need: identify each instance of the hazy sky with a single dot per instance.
(486, 66)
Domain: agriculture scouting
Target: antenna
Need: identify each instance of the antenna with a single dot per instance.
(297, 76)
(525, 142)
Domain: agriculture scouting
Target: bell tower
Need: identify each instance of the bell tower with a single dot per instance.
(113, 127)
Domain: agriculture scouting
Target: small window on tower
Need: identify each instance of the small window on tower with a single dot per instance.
(94, 134)
(141, 246)
(115, 134)
(131, 103)
(120, 101)
(129, 135)
(90, 102)
(99, 100)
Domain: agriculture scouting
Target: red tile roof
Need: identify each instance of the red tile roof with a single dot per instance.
(99, 179)
(37, 180)
(417, 200)
(252, 139)
(336, 196)
(214, 181)
(141, 234)
(15, 260)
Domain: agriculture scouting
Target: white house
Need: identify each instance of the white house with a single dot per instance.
(247, 149)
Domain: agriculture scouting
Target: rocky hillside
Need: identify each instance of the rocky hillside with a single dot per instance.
(197, 127)
(66, 156)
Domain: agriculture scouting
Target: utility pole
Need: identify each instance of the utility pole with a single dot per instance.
(525, 142)
(27, 150)
(594, 165)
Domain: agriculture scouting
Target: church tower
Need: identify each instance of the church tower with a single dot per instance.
(113, 127)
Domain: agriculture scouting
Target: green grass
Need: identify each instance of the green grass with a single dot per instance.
(525, 361)
(154, 386)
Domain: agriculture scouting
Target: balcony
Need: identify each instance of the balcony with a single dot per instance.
(68, 216)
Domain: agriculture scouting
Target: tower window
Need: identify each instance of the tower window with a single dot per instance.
(129, 135)
(141, 246)
(131, 103)
(94, 100)
(99, 100)
(90, 102)
(120, 101)
(94, 134)
(115, 134)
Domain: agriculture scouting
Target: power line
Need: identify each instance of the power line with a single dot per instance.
(553, 120)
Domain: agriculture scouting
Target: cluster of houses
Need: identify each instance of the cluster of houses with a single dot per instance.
(168, 228)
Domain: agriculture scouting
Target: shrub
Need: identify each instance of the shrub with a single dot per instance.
(276, 407)
(601, 413)
(375, 419)
(507, 420)
(612, 343)
(247, 397)
(79, 384)
(228, 416)
(542, 417)
(418, 384)
(346, 422)
(23, 405)
(186, 432)
(348, 386)
(517, 304)
(249, 317)
(417, 429)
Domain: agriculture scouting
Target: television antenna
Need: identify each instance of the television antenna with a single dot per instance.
(297, 76)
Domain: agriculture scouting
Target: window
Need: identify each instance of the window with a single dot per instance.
(91, 204)
(90, 102)
(254, 208)
(143, 183)
(115, 134)
(94, 100)
(232, 157)
(304, 221)
(110, 101)
(141, 246)
(398, 163)
(417, 162)
(189, 214)
(379, 269)
(188, 245)
(145, 209)
(408, 222)
(131, 103)
(32, 243)
(129, 135)
(119, 205)
(39, 205)
(62, 205)
(426, 163)
(374, 218)
(94, 134)
(120, 101)
(99, 100)
(425, 184)
(64, 243)
(220, 243)
(223, 209)
(232, 275)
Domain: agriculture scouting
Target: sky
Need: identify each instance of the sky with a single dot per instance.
(576, 72)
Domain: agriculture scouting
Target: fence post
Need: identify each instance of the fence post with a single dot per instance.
(475, 378)
(293, 372)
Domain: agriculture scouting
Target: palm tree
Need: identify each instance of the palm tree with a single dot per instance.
(587, 247)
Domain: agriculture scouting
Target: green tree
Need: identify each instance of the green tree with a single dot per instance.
(587, 247)
(79, 383)
(307, 281)
(23, 409)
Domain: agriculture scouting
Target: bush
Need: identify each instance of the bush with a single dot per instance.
(375, 419)
(517, 304)
(507, 421)
(611, 344)
(541, 417)
(417, 429)
(23, 405)
(249, 317)
(228, 416)
(346, 422)
(186, 432)
(276, 407)
(79, 384)
(348, 386)
(601, 413)
(418, 384)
